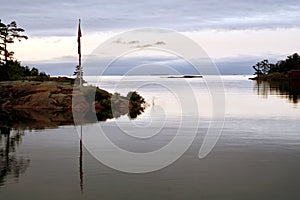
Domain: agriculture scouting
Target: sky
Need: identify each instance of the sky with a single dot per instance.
(234, 33)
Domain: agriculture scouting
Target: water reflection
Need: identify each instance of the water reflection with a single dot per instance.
(80, 161)
(10, 163)
(285, 89)
(13, 124)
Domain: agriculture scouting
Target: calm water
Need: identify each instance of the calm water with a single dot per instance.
(256, 157)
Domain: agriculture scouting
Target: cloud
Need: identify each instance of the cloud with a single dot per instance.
(159, 43)
(150, 45)
(44, 17)
(133, 42)
(121, 41)
(143, 46)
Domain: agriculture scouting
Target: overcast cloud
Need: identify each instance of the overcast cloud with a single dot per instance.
(45, 17)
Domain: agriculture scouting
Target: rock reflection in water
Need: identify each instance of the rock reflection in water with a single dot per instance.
(31, 119)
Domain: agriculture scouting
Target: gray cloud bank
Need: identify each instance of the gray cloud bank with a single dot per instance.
(151, 65)
(44, 17)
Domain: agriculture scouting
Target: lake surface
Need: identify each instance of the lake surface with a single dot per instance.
(256, 157)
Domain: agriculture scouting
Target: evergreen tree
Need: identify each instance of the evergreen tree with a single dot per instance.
(8, 34)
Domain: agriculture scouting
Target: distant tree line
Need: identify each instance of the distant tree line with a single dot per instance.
(283, 66)
(10, 68)
(13, 70)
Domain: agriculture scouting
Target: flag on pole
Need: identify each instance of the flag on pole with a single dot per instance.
(79, 35)
(78, 38)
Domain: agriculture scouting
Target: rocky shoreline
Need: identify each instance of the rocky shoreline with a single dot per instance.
(51, 103)
(272, 77)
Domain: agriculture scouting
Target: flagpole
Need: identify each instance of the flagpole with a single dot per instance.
(79, 54)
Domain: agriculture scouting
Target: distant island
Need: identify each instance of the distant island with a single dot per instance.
(186, 76)
(283, 70)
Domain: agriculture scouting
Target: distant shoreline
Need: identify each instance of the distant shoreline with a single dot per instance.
(185, 76)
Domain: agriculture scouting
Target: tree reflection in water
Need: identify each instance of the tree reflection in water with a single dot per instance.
(285, 89)
(10, 163)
